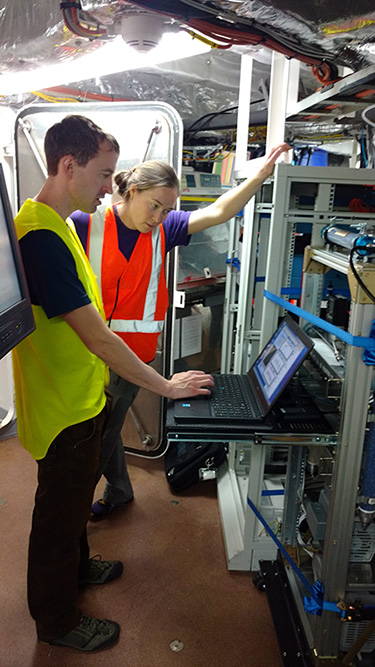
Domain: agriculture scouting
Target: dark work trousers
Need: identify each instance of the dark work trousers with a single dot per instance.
(118, 489)
(58, 547)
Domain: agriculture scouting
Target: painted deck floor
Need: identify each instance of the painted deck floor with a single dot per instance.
(175, 587)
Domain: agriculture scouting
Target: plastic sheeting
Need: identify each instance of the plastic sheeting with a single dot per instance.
(195, 86)
(340, 26)
(33, 34)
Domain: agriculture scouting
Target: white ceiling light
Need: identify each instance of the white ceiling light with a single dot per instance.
(113, 56)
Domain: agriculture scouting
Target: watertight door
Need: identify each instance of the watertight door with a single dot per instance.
(145, 131)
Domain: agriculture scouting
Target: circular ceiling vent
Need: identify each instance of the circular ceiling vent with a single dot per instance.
(142, 31)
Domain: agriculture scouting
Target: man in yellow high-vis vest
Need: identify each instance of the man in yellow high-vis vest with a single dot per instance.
(60, 373)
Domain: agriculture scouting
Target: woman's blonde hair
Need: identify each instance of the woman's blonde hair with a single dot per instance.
(150, 174)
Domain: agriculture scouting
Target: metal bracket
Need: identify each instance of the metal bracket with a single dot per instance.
(207, 272)
(334, 387)
(310, 265)
(252, 335)
(367, 275)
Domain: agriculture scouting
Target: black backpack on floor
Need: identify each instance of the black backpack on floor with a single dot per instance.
(189, 462)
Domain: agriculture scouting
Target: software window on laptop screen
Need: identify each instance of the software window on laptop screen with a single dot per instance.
(279, 360)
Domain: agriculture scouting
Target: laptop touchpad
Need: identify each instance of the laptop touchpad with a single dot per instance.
(189, 408)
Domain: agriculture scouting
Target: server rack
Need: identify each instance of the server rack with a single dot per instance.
(316, 196)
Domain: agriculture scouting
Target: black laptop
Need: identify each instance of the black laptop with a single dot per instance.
(250, 397)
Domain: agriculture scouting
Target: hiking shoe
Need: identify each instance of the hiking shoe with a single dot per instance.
(101, 571)
(102, 508)
(91, 634)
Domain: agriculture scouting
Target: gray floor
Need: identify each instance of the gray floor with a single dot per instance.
(175, 586)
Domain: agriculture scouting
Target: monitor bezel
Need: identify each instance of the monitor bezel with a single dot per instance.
(17, 321)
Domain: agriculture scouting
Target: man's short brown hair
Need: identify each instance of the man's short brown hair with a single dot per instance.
(77, 136)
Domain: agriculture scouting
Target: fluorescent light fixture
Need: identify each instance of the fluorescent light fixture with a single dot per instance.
(114, 56)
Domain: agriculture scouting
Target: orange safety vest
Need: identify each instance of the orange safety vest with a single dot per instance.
(134, 292)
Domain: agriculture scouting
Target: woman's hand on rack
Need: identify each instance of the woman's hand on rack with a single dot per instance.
(272, 156)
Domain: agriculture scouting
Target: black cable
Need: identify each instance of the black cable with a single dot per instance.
(370, 146)
(116, 299)
(356, 275)
(302, 154)
(212, 115)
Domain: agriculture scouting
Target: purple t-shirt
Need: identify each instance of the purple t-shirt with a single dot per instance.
(175, 228)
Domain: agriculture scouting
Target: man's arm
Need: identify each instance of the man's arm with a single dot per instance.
(231, 202)
(109, 347)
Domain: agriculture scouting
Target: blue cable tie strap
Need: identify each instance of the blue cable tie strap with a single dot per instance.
(357, 341)
(369, 353)
(282, 549)
(275, 492)
(234, 262)
(315, 604)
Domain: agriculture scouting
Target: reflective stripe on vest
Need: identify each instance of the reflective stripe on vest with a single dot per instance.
(96, 243)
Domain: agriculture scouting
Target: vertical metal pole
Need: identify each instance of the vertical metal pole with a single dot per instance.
(241, 158)
(279, 87)
(232, 514)
(262, 251)
(293, 84)
(244, 98)
(246, 289)
(277, 258)
(229, 300)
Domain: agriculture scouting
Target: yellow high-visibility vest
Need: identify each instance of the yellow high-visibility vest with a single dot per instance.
(58, 381)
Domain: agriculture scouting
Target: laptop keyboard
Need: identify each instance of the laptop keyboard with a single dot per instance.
(229, 399)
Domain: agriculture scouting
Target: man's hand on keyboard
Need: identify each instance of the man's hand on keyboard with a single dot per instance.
(190, 383)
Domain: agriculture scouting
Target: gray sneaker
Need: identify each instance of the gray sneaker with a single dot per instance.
(101, 571)
(91, 634)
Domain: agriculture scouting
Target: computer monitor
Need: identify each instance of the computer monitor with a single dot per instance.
(16, 316)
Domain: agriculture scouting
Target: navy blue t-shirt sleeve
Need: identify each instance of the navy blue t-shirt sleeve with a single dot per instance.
(176, 229)
(51, 273)
(81, 222)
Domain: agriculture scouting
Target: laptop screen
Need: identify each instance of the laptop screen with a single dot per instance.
(277, 363)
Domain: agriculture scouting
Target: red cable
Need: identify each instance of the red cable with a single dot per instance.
(239, 37)
(80, 30)
(79, 93)
(358, 206)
